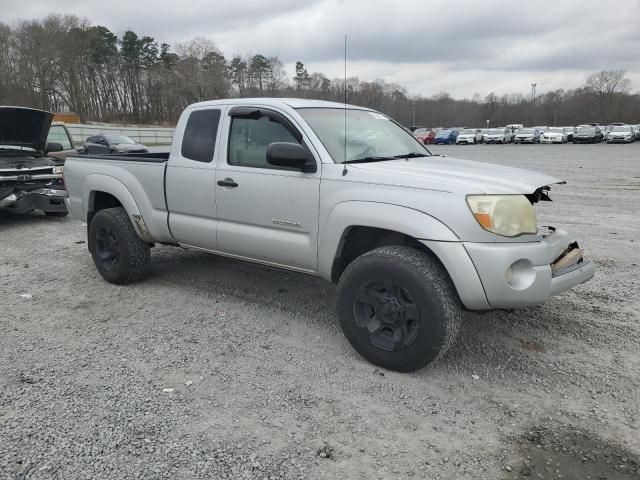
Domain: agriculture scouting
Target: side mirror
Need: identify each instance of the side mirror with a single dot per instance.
(291, 155)
(54, 147)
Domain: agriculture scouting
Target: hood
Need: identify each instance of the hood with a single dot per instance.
(452, 174)
(24, 127)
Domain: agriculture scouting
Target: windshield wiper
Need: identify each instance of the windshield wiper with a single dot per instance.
(370, 159)
(386, 158)
(411, 155)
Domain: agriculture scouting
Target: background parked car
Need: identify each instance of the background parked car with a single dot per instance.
(588, 134)
(469, 136)
(112, 143)
(527, 135)
(498, 135)
(554, 135)
(621, 134)
(569, 131)
(425, 135)
(446, 137)
(58, 134)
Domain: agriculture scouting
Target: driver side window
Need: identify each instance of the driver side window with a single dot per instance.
(250, 137)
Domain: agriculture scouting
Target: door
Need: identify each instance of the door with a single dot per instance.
(266, 213)
(191, 179)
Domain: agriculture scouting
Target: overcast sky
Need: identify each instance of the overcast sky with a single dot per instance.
(461, 47)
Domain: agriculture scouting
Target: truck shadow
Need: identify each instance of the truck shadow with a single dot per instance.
(499, 344)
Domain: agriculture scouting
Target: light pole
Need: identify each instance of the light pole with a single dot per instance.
(533, 92)
(413, 107)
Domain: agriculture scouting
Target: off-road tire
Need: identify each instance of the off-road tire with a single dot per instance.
(133, 254)
(56, 214)
(431, 289)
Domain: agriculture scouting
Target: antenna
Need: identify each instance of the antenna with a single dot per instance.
(344, 164)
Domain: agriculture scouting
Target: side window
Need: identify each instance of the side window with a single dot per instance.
(57, 134)
(250, 137)
(199, 139)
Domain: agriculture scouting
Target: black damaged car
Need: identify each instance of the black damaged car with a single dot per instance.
(29, 178)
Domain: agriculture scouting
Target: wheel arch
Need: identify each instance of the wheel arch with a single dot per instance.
(354, 228)
(102, 191)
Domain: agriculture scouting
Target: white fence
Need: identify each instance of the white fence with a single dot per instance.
(144, 135)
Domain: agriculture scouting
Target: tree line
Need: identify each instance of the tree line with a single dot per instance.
(65, 63)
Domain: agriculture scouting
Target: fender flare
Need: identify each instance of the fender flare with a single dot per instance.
(398, 218)
(97, 182)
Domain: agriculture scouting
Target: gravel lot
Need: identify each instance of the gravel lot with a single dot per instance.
(214, 368)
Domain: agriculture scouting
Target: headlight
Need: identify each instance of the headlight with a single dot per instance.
(506, 215)
(58, 170)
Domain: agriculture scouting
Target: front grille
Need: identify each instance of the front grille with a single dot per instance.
(26, 171)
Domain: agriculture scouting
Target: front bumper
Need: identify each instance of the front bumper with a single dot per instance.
(551, 140)
(620, 140)
(525, 140)
(45, 199)
(510, 275)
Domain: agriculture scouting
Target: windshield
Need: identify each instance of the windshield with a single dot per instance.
(467, 131)
(495, 131)
(420, 131)
(118, 139)
(444, 133)
(587, 130)
(368, 134)
(526, 130)
(555, 130)
(621, 129)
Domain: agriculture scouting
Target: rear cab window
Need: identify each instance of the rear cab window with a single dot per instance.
(199, 138)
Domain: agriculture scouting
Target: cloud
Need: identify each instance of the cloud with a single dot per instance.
(459, 46)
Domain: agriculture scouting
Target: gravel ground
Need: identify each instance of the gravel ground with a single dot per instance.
(213, 368)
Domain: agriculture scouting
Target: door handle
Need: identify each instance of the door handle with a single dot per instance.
(227, 182)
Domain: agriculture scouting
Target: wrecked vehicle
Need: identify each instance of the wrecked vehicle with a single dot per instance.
(341, 192)
(30, 179)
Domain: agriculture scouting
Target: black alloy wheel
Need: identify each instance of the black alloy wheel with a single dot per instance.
(107, 248)
(389, 313)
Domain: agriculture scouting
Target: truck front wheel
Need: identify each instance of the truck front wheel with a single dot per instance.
(398, 308)
(119, 254)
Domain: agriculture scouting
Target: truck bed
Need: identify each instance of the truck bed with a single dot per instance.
(136, 179)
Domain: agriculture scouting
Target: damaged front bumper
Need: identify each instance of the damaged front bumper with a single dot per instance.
(45, 199)
(525, 274)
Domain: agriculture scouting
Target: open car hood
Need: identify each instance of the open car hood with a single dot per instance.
(24, 127)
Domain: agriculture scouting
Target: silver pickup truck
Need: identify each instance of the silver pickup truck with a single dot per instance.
(341, 192)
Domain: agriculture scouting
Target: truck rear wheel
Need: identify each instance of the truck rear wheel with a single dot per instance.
(398, 308)
(120, 255)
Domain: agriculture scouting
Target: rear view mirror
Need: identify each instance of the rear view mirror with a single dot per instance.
(54, 147)
(291, 155)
